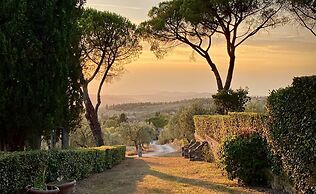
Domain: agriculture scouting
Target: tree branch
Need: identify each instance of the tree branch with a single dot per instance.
(260, 27)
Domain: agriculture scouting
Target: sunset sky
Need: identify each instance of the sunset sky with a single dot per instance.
(268, 61)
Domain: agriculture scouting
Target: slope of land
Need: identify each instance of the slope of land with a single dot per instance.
(151, 97)
(141, 110)
(168, 175)
(146, 109)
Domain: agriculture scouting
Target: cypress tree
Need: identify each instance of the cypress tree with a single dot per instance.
(39, 69)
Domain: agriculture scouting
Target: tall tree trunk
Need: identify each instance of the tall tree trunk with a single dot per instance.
(216, 73)
(136, 147)
(232, 59)
(92, 117)
(65, 138)
(53, 139)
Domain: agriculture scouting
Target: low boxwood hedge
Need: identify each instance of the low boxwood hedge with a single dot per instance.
(19, 169)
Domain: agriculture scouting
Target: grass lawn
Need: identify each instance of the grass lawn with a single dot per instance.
(172, 174)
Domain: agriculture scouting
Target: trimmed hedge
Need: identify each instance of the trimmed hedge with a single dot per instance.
(219, 127)
(292, 132)
(19, 169)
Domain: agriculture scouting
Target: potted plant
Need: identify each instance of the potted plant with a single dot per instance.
(65, 186)
(39, 186)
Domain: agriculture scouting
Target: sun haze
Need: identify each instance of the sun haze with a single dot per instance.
(265, 62)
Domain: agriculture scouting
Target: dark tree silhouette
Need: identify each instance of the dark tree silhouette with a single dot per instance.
(108, 42)
(38, 77)
(194, 23)
(305, 12)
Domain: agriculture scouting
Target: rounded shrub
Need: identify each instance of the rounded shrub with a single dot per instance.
(245, 157)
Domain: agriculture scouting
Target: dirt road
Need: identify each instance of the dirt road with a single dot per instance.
(167, 175)
(160, 150)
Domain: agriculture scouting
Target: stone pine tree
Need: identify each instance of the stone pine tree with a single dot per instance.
(108, 42)
(195, 22)
(38, 57)
(305, 12)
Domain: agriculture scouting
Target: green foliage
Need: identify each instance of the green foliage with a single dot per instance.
(159, 120)
(82, 136)
(231, 101)
(166, 136)
(219, 127)
(292, 134)
(245, 157)
(137, 133)
(108, 41)
(39, 182)
(19, 169)
(123, 118)
(145, 110)
(257, 105)
(39, 69)
(181, 125)
(208, 154)
(112, 136)
(113, 121)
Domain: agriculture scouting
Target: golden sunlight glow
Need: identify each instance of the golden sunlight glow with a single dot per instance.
(268, 61)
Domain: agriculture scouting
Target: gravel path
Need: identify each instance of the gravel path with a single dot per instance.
(160, 150)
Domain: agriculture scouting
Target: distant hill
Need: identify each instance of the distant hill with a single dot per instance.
(154, 97)
(143, 110)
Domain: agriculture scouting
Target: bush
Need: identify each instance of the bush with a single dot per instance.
(219, 127)
(231, 101)
(19, 169)
(292, 134)
(137, 133)
(181, 125)
(245, 157)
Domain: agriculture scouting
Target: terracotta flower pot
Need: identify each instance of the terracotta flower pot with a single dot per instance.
(65, 187)
(50, 190)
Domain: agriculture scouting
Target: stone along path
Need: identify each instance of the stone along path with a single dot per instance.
(172, 174)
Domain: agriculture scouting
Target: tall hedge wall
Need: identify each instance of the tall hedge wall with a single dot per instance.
(289, 127)
(19, 169)
(219, 127)
(292, 131)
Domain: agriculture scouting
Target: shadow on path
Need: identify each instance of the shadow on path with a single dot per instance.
(121, 179)
(129, 177)
(194, 182)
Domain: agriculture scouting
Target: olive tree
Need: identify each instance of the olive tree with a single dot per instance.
(108, 42)
(137, 133)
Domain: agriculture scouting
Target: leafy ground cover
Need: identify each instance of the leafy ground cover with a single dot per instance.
(172, 174)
